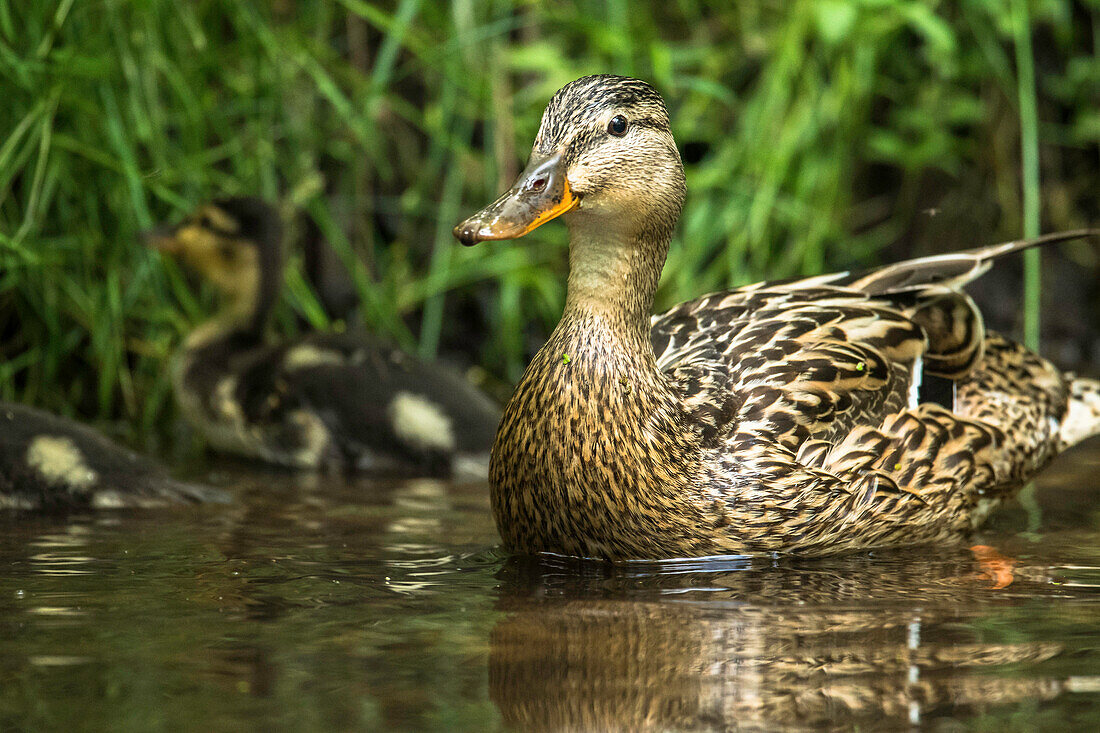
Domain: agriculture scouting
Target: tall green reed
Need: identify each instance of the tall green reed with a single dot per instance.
(816, 133)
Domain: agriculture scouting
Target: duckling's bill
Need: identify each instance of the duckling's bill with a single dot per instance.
(540, 194)
(195, 233)
(162, 239)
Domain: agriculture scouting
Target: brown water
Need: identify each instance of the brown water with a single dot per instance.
(383, 605)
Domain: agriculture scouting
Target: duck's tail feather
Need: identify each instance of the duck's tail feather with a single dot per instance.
(954, 269)
(1082, 419)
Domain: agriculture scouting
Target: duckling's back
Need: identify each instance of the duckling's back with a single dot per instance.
(338, 401)
(49, 462)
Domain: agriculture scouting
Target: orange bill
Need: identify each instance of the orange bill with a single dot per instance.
(540, 194)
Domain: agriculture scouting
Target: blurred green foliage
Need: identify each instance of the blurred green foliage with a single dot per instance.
(816, 133)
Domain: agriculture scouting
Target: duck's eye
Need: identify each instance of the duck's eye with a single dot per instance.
(617, 126)
(206, 222)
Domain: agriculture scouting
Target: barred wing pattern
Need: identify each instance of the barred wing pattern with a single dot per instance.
(792, 362)
(813, 386)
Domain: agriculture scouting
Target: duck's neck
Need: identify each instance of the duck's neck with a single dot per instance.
(593, 444)
(612, 278)
(604, 333)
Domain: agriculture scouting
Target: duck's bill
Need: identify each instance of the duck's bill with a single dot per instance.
(162, 239)
(540, 194)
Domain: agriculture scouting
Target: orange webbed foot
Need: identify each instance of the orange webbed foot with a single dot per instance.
(995, 567)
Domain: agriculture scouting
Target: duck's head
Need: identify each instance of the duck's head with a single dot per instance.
(604, 155)
(236, 245)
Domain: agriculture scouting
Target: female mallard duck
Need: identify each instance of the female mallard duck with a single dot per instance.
(780, 417)
(52, 463)
(326, 400)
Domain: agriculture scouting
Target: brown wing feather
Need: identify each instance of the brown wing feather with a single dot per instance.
(821, 355)
(952, 270)
(796, 361)
(953, 326)
(921, 474)
(804, 395)
(928, 288)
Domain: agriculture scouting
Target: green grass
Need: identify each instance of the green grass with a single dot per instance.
(821, 130)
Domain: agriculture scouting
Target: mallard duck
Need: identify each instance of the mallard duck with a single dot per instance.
(327, 400)
(49, 462)
(823, 415)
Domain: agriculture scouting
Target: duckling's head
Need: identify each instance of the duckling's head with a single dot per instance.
(605, 157)
(235, 244)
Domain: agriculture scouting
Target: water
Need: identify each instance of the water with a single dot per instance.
(383, 605)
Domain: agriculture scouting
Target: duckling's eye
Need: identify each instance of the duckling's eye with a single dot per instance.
(206, 222)
(227, 252)
(617, 126)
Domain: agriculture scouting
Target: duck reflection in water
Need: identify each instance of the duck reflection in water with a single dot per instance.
(837, 644)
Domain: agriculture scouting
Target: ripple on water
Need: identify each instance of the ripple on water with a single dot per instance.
(326, 604)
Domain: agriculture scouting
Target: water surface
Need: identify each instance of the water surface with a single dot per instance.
(321, 604)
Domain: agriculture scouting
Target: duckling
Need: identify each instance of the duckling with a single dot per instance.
(823, 415)
(328, 400)
(48, 462)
